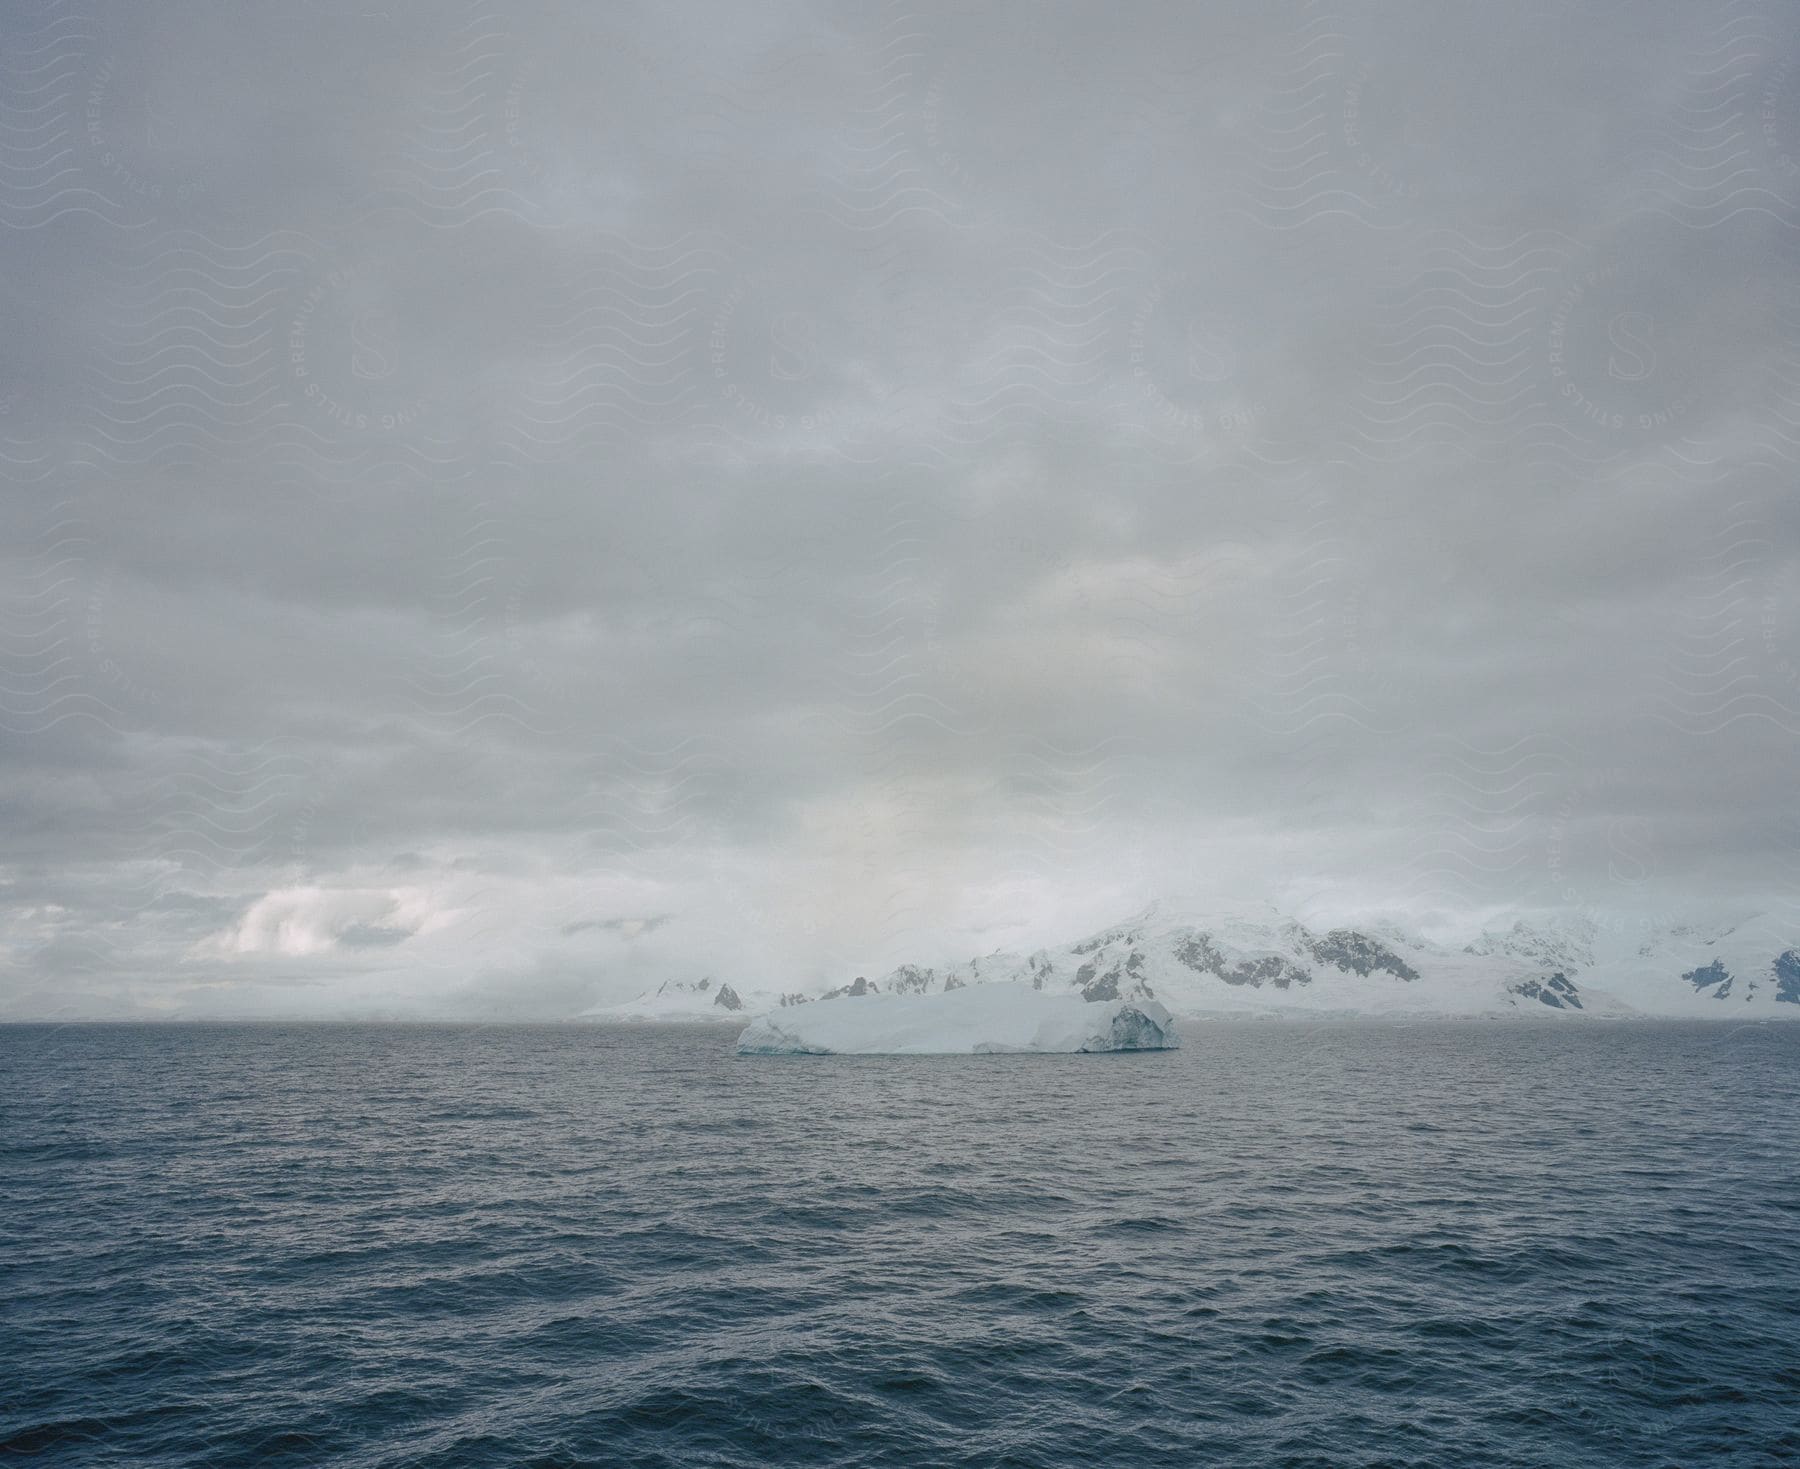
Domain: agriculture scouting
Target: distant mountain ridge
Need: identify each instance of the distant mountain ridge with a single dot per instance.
(1263, 962)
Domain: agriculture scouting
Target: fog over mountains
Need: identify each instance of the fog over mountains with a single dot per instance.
(1262, 963)
(505, 507)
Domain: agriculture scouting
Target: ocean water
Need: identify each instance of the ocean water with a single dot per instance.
(1442, 1244)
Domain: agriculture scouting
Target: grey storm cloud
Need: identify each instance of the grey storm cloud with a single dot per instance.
(858, 483)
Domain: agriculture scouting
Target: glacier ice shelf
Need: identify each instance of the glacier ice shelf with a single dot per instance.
(972, 1019)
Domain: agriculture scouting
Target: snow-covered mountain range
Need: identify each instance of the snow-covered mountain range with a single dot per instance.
(1262, 962)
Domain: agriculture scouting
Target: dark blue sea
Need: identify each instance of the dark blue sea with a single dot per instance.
(1444, 1244)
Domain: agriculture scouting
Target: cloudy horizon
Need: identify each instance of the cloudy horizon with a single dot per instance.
(505, 510)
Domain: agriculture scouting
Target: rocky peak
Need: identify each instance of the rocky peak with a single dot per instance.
(1124, 933)
(1122, 978)
(1560, 943)
(858, 986)
(910, 979)
(1198, 951)
(684, 987)
(1357, 953)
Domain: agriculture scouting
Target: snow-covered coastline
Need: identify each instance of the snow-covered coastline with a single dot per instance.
(1261, 963)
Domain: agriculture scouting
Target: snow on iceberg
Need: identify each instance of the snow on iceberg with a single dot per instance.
(974, 1018)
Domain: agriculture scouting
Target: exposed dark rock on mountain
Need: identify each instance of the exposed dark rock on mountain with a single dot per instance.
(1271, 969)
(1710, 975)
(910, 979)
(1097, 987)
(1557, 991)
(1121, 979)
(1261, 961)
(680, 986)
(1787, 977)
(1101, 940)
(1198, 953)
(860, 986)
(1357, 953)
(727, 998)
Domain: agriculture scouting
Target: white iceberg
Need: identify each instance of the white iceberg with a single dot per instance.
(973, 1018)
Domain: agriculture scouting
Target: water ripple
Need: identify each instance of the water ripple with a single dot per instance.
(1434, 1244)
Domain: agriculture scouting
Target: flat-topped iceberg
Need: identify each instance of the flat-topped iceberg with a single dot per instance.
(973, 1018)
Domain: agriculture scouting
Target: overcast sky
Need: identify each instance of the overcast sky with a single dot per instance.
(507, 504)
